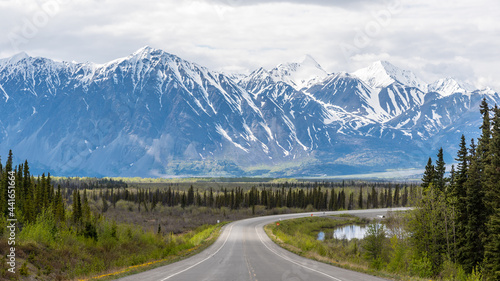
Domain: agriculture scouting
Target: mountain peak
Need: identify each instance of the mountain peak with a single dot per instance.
(447, 86)
(382, 74)
(15, 58)
(299, 75)
(309, 60)
(20, 56)
(144, 49)
(147, 51)
(383, 63)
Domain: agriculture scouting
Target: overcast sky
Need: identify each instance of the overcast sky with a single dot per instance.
(432, 38)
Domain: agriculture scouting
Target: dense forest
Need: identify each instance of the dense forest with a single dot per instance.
(315, 195)
(93, 223)
(458, 218)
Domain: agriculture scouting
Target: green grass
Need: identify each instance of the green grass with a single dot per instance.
(48, 251)
(300, 236)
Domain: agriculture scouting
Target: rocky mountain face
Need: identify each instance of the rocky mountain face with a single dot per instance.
(155, 114)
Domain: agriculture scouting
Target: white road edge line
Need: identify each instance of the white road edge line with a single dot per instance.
(290, 260)
(186, 269)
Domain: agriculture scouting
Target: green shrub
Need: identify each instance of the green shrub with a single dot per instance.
(24, 270)
(421, 266)
(43, 230)
(476, 275)
(399, 260)
(374, 244)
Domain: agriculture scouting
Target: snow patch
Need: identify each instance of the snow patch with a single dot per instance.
(224, 134)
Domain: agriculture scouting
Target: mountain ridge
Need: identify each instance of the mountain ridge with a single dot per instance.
(154, 114)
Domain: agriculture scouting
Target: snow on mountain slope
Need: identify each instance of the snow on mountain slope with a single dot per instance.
(396, 99)
(153, 113)
(298, 75)
(351, 94)
(448, 86)
(158, 106)
(382, 74)
(14, 59)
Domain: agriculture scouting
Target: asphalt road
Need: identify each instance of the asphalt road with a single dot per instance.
(244, 252)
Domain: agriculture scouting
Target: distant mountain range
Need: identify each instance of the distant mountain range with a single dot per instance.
(155, 114)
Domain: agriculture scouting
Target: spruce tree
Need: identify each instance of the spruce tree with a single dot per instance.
(472, 251)
(429, 174)
(440, 170)
(86, 207)
(396, 196)
(360, 198)
(58, 206)
(492, 247)
(483, 145)
(190, 196)
(457, 200)
(374, 198)
(4, 184)
(492, 181)
(77, 207)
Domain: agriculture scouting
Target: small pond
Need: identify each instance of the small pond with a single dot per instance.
(345, 232)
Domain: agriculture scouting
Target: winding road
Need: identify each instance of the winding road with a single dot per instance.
(244, 252)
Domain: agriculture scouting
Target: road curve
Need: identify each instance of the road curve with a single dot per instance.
(244, 252)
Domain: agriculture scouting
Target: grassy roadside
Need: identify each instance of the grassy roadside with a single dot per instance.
(45, 252)
(202, 240)
(299, 236)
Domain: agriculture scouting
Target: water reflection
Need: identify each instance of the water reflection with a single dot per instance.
(350, 232)
(346, 232)
(321, 236)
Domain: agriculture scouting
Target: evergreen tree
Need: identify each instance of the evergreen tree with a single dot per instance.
(458, 201)
(333, 200)
(77, 207)
(483, 145)
(374, 198)
(86, 207)
(429, 174)
(404, 199)
(440, 170)
(4, 185)
(472, 251)
(396, 196)
(457, 191)
(58, 206)
(360, 198)
(190, 196)
(492, 247)
(492, 182)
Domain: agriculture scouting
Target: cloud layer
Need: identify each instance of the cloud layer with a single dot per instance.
(434, 39)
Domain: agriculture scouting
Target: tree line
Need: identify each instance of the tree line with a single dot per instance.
(316, 197)
(69, 202)
(458, 219)
(32, 195)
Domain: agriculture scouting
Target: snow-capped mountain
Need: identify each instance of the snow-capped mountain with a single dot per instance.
(448, 86)
(382, 74)
(298, 75)
(153, 113)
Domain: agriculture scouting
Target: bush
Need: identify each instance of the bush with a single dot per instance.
(125, 205)
(476, 275)
(43, 230)
(421, 266)
(374, 244)
(24, 270)
(399, 259)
